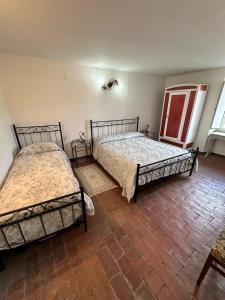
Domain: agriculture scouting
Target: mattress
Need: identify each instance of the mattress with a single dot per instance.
(40, 172)
(120, 154)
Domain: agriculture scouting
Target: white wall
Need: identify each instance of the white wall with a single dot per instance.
(214, 78)
(46, 91)
(7, 142)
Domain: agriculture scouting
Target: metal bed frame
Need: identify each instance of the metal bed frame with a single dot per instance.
(165, 168)
(25, 136)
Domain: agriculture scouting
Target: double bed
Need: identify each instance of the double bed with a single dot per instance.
(134, 160)
(40, 196)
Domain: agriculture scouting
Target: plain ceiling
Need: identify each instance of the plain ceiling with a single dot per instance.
(154, 36)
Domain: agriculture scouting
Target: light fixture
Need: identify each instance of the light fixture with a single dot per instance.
(110, 84)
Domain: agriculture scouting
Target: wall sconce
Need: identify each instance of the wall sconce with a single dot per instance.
(110, 84)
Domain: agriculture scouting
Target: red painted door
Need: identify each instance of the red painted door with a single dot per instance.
(175, 115)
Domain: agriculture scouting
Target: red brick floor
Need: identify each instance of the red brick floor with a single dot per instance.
(153, 249)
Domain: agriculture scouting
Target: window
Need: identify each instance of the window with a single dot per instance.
(223, 121)
(219, 117)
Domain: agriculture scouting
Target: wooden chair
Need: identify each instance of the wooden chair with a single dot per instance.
(216, 257)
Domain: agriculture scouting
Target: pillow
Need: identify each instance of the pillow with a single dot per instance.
(121, 136)
(112, 138)
(39, 148)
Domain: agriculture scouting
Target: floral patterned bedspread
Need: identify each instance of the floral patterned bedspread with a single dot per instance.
(120, 154)
(35, 178)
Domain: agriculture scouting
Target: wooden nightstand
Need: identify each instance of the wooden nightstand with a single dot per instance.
(81, 150)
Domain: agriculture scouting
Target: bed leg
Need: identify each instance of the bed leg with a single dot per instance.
(83, 209)
(2, 266)
(191, 171)
(194, 161)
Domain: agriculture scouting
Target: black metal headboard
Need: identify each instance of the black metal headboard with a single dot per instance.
(27, 135)
(102, 128)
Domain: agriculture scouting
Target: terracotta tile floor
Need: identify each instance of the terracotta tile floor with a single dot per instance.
(153, 249)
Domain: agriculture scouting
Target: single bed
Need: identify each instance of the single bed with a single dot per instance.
(134, 160)
(40, 196)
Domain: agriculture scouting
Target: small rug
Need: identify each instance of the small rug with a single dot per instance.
(94, 180)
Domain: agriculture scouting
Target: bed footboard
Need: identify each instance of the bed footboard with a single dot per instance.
(151, 173)
(40, 212)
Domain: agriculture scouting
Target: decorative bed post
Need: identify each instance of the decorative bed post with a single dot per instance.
(92, 141)
(83, 208)
(60, 129)
(137, 122)
(194, 160)
(16, 135)
(136, 182)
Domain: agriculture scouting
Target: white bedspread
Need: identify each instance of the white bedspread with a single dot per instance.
(120, 154)
(38, 176)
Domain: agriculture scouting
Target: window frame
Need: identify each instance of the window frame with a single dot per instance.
(219, 116)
